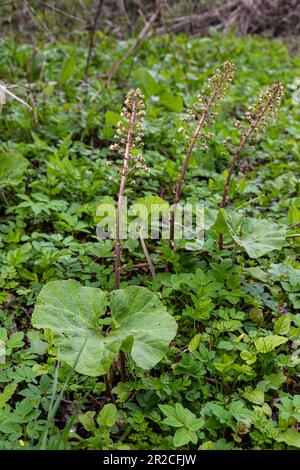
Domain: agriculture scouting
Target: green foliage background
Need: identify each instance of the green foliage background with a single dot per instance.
(230, 380)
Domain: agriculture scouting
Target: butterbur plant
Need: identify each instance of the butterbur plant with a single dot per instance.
(77, 315)
(129, 137)
(254, 121)
(198, 117)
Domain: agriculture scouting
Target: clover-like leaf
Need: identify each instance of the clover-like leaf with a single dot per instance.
(73, 312)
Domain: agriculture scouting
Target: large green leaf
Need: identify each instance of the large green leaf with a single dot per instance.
(256, 236)
(73, 313)
(142, 315)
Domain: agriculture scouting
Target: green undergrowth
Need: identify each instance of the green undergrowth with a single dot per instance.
(230, 377)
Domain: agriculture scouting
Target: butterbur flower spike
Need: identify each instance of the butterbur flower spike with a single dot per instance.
(198, 116)
(128, 137)
(255, 120)
(256, 117)
(129, 134)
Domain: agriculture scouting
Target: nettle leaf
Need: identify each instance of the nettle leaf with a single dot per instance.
(266, 344)
(257, 237)
(73, 311)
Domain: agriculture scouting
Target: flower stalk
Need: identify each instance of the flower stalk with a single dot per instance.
(129, 137)
(254, 121)
(200, 115)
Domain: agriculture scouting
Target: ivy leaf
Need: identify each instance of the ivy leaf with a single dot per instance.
(72, 312)
(266, 344)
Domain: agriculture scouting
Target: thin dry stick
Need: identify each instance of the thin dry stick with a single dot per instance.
(217, 86)
(256, 121)
(62, 12)
(91, 26)
(39, 20)
(141, 36)
(147, 256)
(4, 90)
(115, 67)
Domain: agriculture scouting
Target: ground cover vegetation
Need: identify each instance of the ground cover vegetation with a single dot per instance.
(149, 344)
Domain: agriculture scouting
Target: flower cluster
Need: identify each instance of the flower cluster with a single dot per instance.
(256, 117)
(201, 113)
(129, 134)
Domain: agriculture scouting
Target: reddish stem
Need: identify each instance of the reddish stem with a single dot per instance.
(184, 167)
(118, 249)
(235, 159)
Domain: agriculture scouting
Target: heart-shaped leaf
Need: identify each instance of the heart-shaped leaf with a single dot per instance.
(73, 312)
